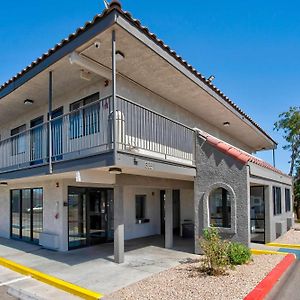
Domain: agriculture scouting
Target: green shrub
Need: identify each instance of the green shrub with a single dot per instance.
(238, 254)
(216, 260)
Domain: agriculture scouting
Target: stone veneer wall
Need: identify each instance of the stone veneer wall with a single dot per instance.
(216, 169)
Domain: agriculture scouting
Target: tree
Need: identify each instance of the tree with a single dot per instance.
(289, 123)
(297, 192)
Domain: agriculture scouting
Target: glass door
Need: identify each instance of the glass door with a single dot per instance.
(90, 216)
(97, 216)
(15, 208)
(37, 213)
(26, 215)
(257, 214)
(77, 217)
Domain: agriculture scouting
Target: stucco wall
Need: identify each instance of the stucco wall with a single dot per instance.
(133, 230)
(126, 89)
(4, 211)
(54, 217)
(215, 169)
(275, 224)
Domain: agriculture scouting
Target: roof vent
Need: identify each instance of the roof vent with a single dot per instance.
(115, 4)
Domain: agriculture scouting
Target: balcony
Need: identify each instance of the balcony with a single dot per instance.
(89, 131)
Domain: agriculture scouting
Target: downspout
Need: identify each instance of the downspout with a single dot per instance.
(49, 121)
(274, 161)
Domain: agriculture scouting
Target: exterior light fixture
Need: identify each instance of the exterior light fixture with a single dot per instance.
(28, 102)
(3, 183)
(211, 78)
(119, 55)
(115, 171)
(226, 124)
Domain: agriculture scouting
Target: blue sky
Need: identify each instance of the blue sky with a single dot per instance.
(252, 47)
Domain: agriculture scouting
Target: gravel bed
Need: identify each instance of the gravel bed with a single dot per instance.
(290, 237)
(186, 283)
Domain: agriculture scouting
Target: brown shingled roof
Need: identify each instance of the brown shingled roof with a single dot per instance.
(115, 5)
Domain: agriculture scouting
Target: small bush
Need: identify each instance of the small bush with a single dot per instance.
(216, 259)
(238, 254)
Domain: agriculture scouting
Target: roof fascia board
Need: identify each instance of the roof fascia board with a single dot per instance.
(126, 25)
(261, 172)
(254, 180)
(84, 37)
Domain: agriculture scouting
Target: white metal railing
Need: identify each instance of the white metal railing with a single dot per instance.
(89, 130)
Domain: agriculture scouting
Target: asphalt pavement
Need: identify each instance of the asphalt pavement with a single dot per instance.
(288, 286)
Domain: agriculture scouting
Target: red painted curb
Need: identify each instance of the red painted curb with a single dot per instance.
(265, 286)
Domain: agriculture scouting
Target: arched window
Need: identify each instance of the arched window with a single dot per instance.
(220, 208)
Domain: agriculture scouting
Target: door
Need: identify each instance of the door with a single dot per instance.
(162, 212)
(176, 211)
(36, 141)
(57, 134)
(257, 214)
(97, 216)
(90, 216)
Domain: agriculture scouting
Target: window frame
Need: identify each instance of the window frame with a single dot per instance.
(78, 112)
(288, 204)
(226, 212)
(32, 214)
(143, 205)
(277, 201)
(18, 139)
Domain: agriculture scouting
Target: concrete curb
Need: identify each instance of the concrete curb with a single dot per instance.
(262, 252)
(266, 285)
(288, 246)
(51, 280)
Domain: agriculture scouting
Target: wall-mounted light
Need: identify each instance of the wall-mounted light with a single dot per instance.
(28, 102)
(115, 171)
(85, 75)
(119, 55)
(3, 183)
(226, 124)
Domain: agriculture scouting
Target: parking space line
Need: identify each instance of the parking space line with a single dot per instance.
(15, 280)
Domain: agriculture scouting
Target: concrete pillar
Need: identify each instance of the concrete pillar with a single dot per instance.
(118, 224)
(5, 212)
(268, 213)
(168, 219)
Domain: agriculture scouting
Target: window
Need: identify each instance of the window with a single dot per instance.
(140, 207)
(26, 214)
(84, 121)
(220, 208)
(277, 200)
(287, 200)
(18, 141)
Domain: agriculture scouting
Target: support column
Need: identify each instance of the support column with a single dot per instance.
(168, 219)
(118, 224)
(49, 119)
(114, 93)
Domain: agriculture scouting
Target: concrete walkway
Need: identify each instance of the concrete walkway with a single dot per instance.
(93, 268)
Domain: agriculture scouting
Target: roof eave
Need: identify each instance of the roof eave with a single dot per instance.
(82, 35)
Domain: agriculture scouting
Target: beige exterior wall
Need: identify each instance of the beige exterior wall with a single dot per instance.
(55, 213)
(128, 90)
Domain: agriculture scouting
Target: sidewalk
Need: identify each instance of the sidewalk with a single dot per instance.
(93, 267)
